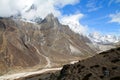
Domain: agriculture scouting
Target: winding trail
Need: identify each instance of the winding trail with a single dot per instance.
(48, 62)
(47, 59)
(4, 43)
(25, 74)
(47, 68)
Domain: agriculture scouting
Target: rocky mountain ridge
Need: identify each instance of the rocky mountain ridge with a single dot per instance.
(25, 45)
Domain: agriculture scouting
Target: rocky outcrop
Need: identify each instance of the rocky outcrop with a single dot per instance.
(105, 66)
(26, 45)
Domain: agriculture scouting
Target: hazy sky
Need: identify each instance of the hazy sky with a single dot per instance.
(89, 15)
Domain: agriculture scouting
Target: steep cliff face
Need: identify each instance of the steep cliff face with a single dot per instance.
(47, 44)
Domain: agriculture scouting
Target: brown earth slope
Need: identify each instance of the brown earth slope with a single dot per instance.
(25, 45)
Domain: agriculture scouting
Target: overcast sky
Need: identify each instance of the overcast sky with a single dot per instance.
(88, 15)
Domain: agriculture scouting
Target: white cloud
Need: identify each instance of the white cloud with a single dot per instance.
(10, 7)
(110, 2)
(61, 3)
(74, 24)
(92, 5)
(4, 8)
(115, 17)
(113, 1)
(44, 7)
(117, 1)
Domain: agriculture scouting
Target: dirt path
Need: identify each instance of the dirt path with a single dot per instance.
(47, 68)
(25, 74)
(48, 65)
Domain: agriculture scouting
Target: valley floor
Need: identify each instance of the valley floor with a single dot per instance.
(25, 74)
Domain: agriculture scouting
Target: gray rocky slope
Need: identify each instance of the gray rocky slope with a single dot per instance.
(25, 45)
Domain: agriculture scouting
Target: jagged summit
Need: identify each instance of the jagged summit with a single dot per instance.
(50, 22)
(51, 18)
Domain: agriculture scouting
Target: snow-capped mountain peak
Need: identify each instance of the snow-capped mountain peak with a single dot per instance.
(103, 39)
(73, 22)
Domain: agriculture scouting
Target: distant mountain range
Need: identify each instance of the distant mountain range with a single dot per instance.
(103, 39)
(98, 42)
(94, 37)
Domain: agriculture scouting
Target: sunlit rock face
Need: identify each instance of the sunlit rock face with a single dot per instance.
(40, 45)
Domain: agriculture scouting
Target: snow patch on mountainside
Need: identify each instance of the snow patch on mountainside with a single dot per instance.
(74, 50)
(73, 21)
(103, 39)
